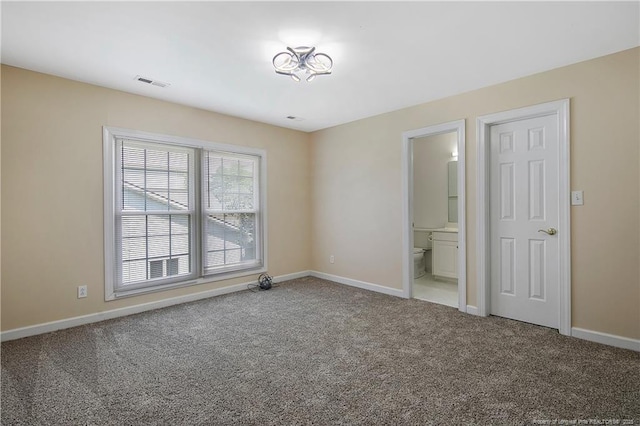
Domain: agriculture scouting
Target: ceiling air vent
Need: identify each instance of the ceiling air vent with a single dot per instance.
(151, 81)
(291, 117)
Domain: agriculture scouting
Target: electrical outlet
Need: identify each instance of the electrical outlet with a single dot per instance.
(82, 291)
(332, 259)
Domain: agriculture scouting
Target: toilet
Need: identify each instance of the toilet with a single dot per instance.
(418, 262)
(423, 243)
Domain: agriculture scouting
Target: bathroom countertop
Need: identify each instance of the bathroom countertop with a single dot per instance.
(452, 230)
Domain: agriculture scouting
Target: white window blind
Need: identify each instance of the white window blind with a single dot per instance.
(155, 211)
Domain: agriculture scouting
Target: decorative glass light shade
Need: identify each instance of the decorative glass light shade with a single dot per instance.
(302, 62)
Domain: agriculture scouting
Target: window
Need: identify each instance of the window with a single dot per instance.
(180, 211)
(230, 208)
(154, 213)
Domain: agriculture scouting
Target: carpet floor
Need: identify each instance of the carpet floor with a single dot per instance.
(314, 352)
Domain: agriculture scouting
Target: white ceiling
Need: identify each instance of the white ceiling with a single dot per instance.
(387, 55)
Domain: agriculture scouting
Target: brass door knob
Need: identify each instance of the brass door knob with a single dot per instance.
(550, 231)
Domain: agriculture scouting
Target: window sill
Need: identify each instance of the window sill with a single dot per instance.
(122, 294)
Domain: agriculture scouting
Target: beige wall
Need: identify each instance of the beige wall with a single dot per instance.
(357, 193)
(52, 201)
(336, 191)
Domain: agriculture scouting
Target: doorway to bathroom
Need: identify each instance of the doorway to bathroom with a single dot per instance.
(434, 215)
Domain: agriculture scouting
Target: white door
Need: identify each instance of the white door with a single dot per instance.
(524, 203)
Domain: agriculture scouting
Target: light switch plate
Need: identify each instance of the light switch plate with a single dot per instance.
(577, 198)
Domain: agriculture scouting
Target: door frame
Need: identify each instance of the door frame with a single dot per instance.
(560, 109)
(457, 126)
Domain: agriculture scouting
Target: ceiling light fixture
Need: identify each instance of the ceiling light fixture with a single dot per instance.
(301, 62)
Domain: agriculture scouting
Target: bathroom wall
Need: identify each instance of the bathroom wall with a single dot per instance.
(431, 155)
(357, 186)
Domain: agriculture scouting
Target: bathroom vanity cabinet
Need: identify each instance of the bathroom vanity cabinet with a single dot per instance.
(445, 254)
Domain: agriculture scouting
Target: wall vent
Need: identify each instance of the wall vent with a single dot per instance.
(151, 81)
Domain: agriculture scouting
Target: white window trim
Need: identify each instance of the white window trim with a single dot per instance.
(206, 211)
(110, 134)
(192, 213)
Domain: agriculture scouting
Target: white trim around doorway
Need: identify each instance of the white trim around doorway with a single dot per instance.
(407, 206)
(561, 110)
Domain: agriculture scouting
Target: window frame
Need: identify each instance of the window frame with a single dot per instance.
(113, 291)
(118, 213)
(206, 211)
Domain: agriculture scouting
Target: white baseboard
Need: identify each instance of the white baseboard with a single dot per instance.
(606, 339)
(472, 310)
(360, 284)
(294, 276)
(48, 327)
